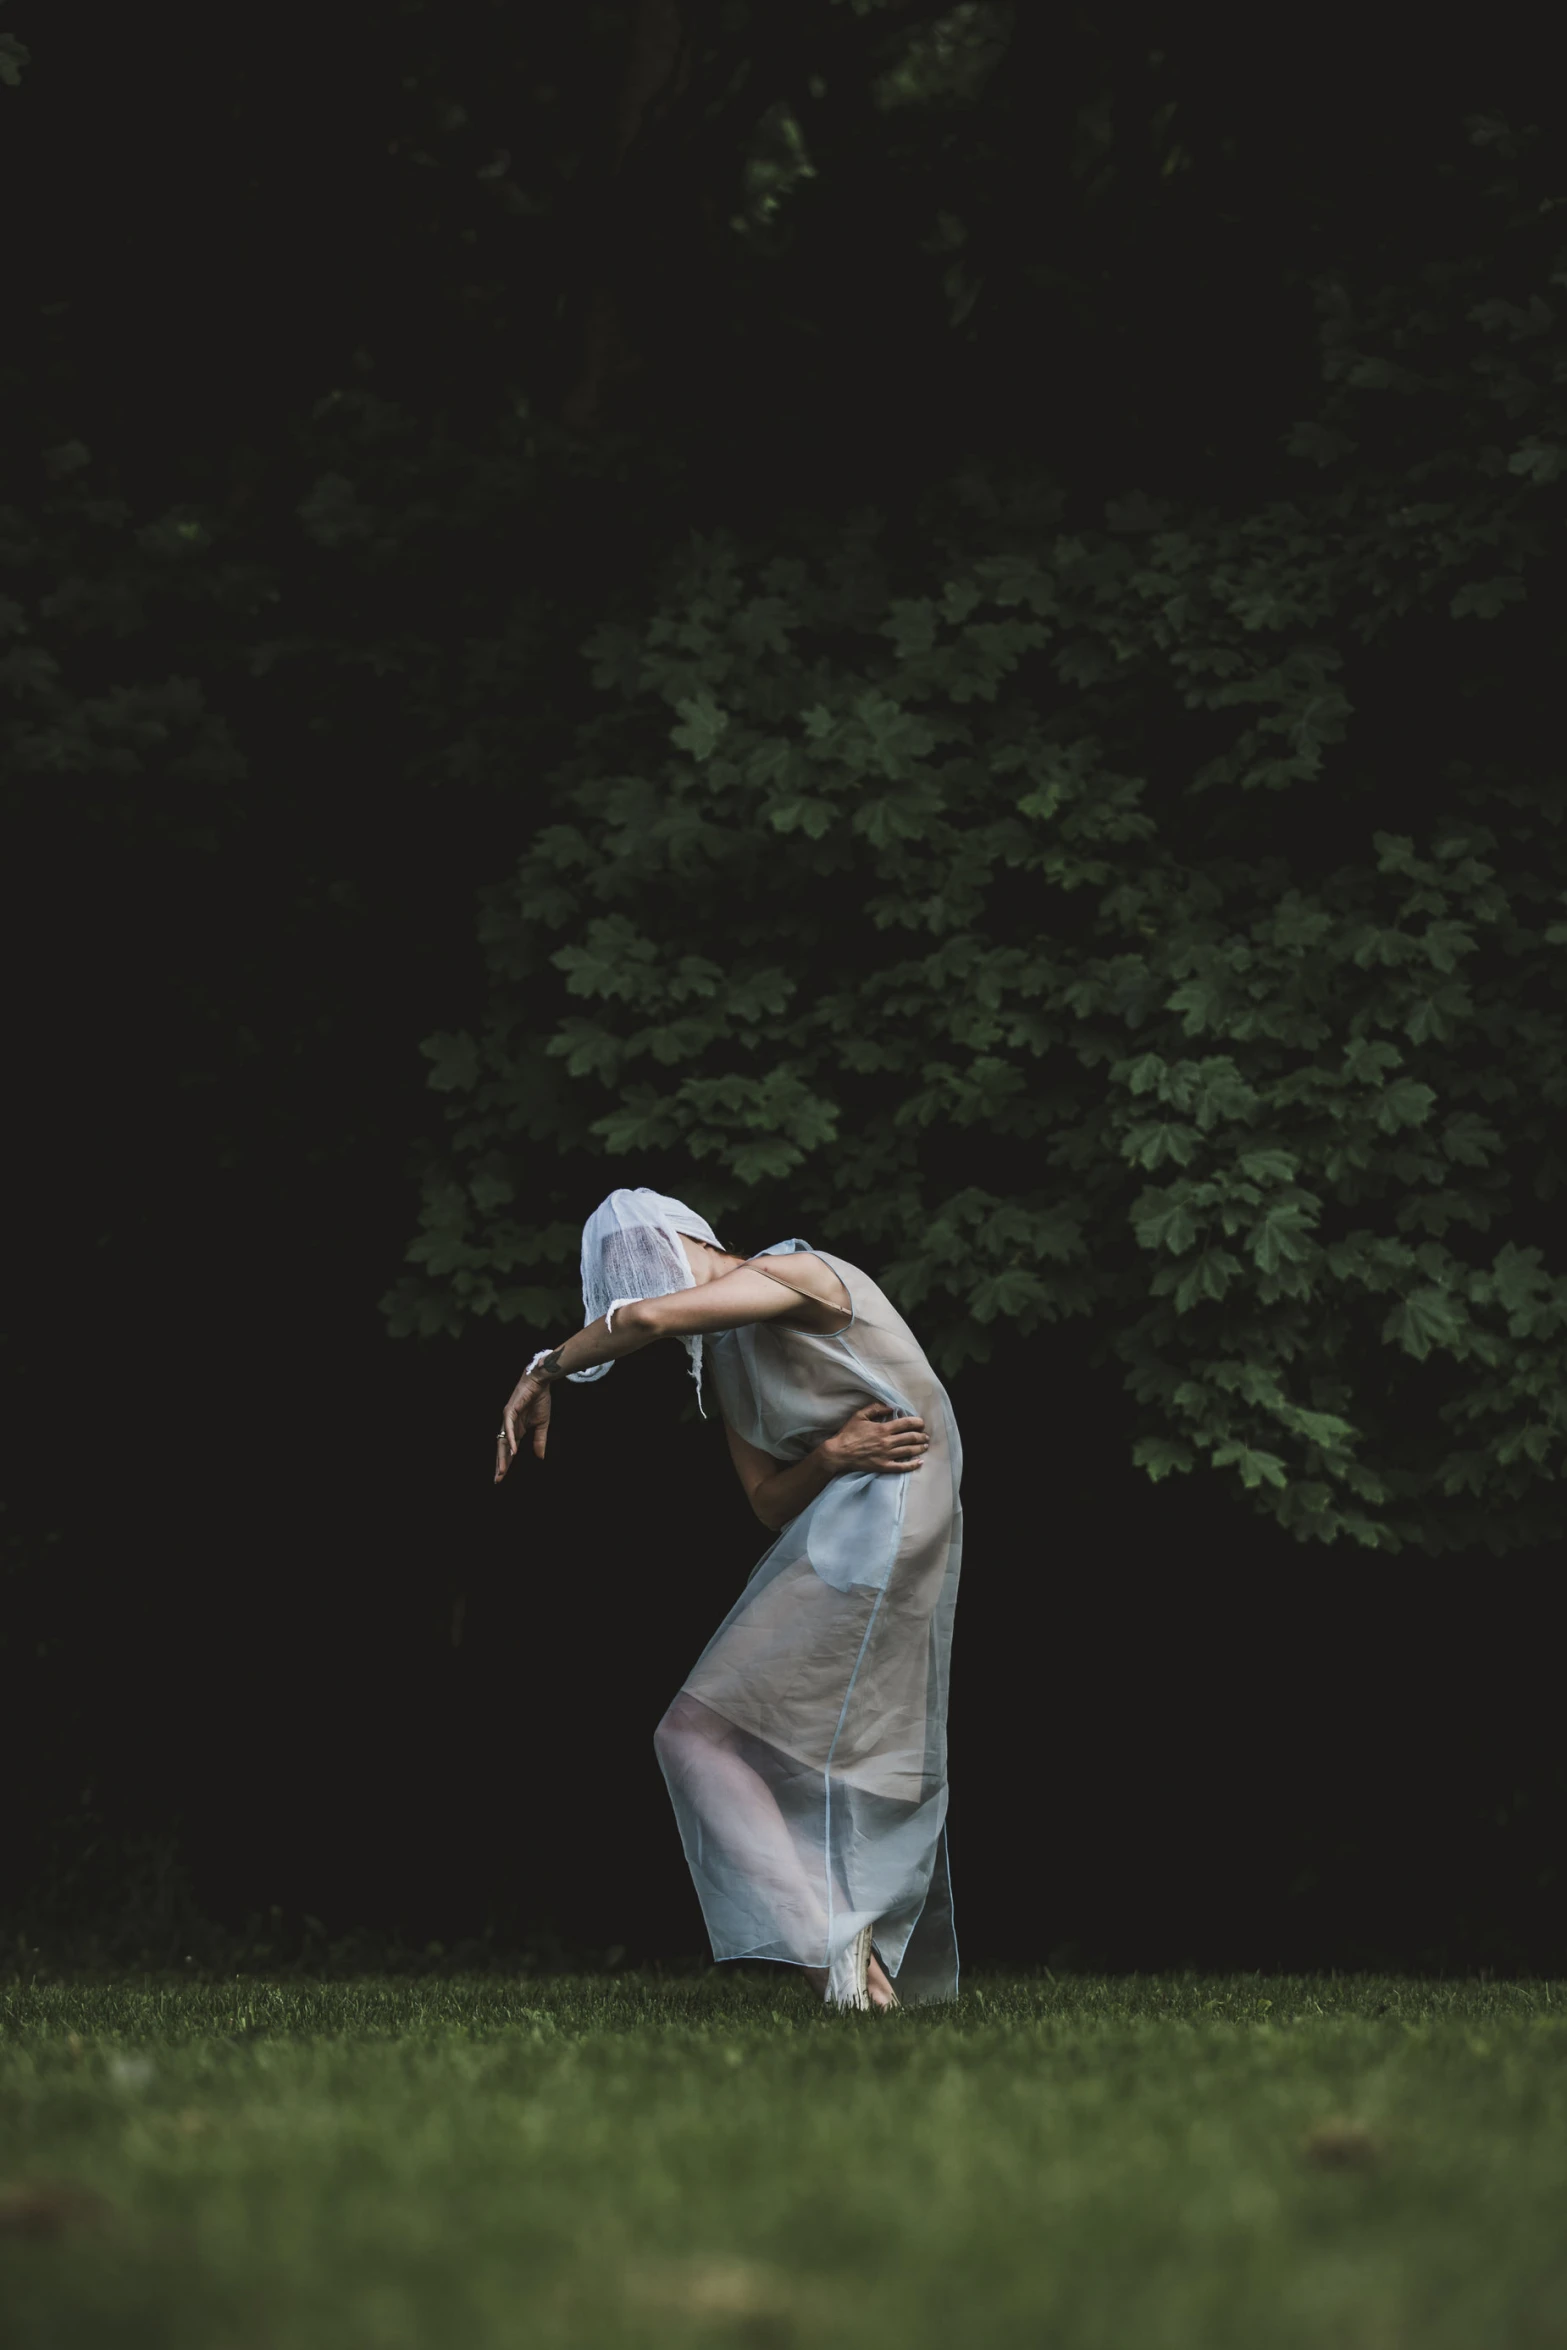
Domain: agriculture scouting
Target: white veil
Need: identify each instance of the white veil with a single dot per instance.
(630, 1250)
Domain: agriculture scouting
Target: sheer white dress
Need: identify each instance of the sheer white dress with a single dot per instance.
(806, 1754)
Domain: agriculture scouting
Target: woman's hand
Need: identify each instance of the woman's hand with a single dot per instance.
(527, 1409)
(879, 1439)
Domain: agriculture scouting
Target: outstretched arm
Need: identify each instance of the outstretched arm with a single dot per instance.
(728, 1304)
(527, 1411)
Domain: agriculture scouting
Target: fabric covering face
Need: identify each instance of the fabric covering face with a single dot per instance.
(631, 1249)
(806, 1754)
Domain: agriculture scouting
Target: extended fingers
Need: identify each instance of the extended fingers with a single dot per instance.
(506, 1442)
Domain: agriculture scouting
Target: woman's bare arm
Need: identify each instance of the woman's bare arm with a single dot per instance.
(777, 1490)
(726, 1304)
(871, 1438)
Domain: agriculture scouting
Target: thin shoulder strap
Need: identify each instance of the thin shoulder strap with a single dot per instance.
(756, 1265)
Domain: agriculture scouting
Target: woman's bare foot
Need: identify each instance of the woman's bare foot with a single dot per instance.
(877, 1986)
(876, 1983)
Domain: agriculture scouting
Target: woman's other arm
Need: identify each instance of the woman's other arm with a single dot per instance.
(871, 1438)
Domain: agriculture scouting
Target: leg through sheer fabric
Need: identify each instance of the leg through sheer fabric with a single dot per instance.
(703, 1753)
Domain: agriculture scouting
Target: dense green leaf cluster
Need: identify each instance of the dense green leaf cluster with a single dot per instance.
(1148, 925)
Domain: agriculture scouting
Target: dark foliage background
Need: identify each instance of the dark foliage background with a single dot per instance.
(353, 374)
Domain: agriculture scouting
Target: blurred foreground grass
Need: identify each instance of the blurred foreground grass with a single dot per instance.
(481, 2164)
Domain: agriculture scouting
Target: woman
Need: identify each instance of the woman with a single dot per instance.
(806, 1752)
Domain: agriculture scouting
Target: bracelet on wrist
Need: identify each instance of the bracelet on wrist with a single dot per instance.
(546, 1364)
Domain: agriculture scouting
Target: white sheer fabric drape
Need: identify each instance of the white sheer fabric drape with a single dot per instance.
(631, 1249)
(806, 1754)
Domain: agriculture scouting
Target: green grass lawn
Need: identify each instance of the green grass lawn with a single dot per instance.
(1135, 2164)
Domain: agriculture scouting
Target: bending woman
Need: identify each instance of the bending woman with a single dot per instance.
(806, 1753)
